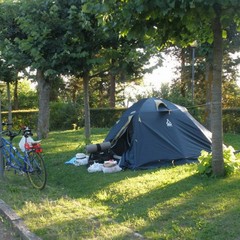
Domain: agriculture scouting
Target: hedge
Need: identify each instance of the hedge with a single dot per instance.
(105, 117)
(231, 120)
(64, 115)
(22, 118)
(67, 116)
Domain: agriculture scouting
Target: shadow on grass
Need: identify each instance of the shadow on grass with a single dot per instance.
(191, 208)
(185, 207)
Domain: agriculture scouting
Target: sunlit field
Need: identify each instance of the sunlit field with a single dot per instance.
(164, 203)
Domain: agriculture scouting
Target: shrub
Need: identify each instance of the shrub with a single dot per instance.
(22, 118)
(105, 117)
(63, 116)
(205, 163)
(231, 120)
(231, 164)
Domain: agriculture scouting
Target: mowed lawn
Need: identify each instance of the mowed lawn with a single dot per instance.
(164, 203)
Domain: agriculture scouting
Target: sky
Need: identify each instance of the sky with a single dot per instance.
(166, 73)
(234, 56)
(163, 74)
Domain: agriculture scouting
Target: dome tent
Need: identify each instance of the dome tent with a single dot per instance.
(155, 132)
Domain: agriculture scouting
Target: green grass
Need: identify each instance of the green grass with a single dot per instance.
(165, 203)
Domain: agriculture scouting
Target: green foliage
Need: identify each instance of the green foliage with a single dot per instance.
(26, 97)
(28, 100)
(22, 118)
(64, 116)
(105, 117)
(7, 72)
(205, 160)
(60, 117)
(231, 120)
(231, 164)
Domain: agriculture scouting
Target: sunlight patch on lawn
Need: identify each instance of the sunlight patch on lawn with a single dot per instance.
(130, 188)
(70, 218)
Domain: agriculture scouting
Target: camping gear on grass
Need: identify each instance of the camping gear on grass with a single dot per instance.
(155, 132)
(93, 148)
(81, 159)
(99, 152)
(109, 166)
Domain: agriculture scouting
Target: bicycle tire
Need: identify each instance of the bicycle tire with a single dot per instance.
(37, 175)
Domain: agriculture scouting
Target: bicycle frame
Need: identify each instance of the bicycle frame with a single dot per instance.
(29, 160)
(14, 159)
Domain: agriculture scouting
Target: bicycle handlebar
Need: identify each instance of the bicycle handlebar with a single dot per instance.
(7, 124)
(26, 131)
(11, 134)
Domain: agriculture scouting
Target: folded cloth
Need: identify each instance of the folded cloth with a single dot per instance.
(71, 161)
(77, 162)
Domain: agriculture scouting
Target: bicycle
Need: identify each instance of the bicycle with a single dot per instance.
(30, 161)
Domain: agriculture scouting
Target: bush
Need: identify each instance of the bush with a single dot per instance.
(105, 117)
(231, 120)
(231, 164)
(22, 118)
(63, 116)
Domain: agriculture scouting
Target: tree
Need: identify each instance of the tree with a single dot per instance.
(7, 74)
(203, 77)
(54, 39)
(1, 153)
(170, 22)
(58, 38)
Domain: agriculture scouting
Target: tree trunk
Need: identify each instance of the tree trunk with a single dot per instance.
(86, 107)
(44, 111)
(15, 96)
(183, 73)
(1, 155)
(217, 128)
(208, 83)
(112, 90)
(9, 106)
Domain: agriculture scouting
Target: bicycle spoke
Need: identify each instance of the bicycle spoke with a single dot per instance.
(36, 170)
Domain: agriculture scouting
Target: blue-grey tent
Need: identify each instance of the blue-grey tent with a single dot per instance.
(155, 132)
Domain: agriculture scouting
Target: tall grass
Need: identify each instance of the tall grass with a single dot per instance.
(164, 203)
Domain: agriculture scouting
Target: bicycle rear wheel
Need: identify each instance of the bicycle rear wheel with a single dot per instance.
(37, 175)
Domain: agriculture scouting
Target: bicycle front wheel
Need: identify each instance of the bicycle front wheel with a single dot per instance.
(36, 170)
